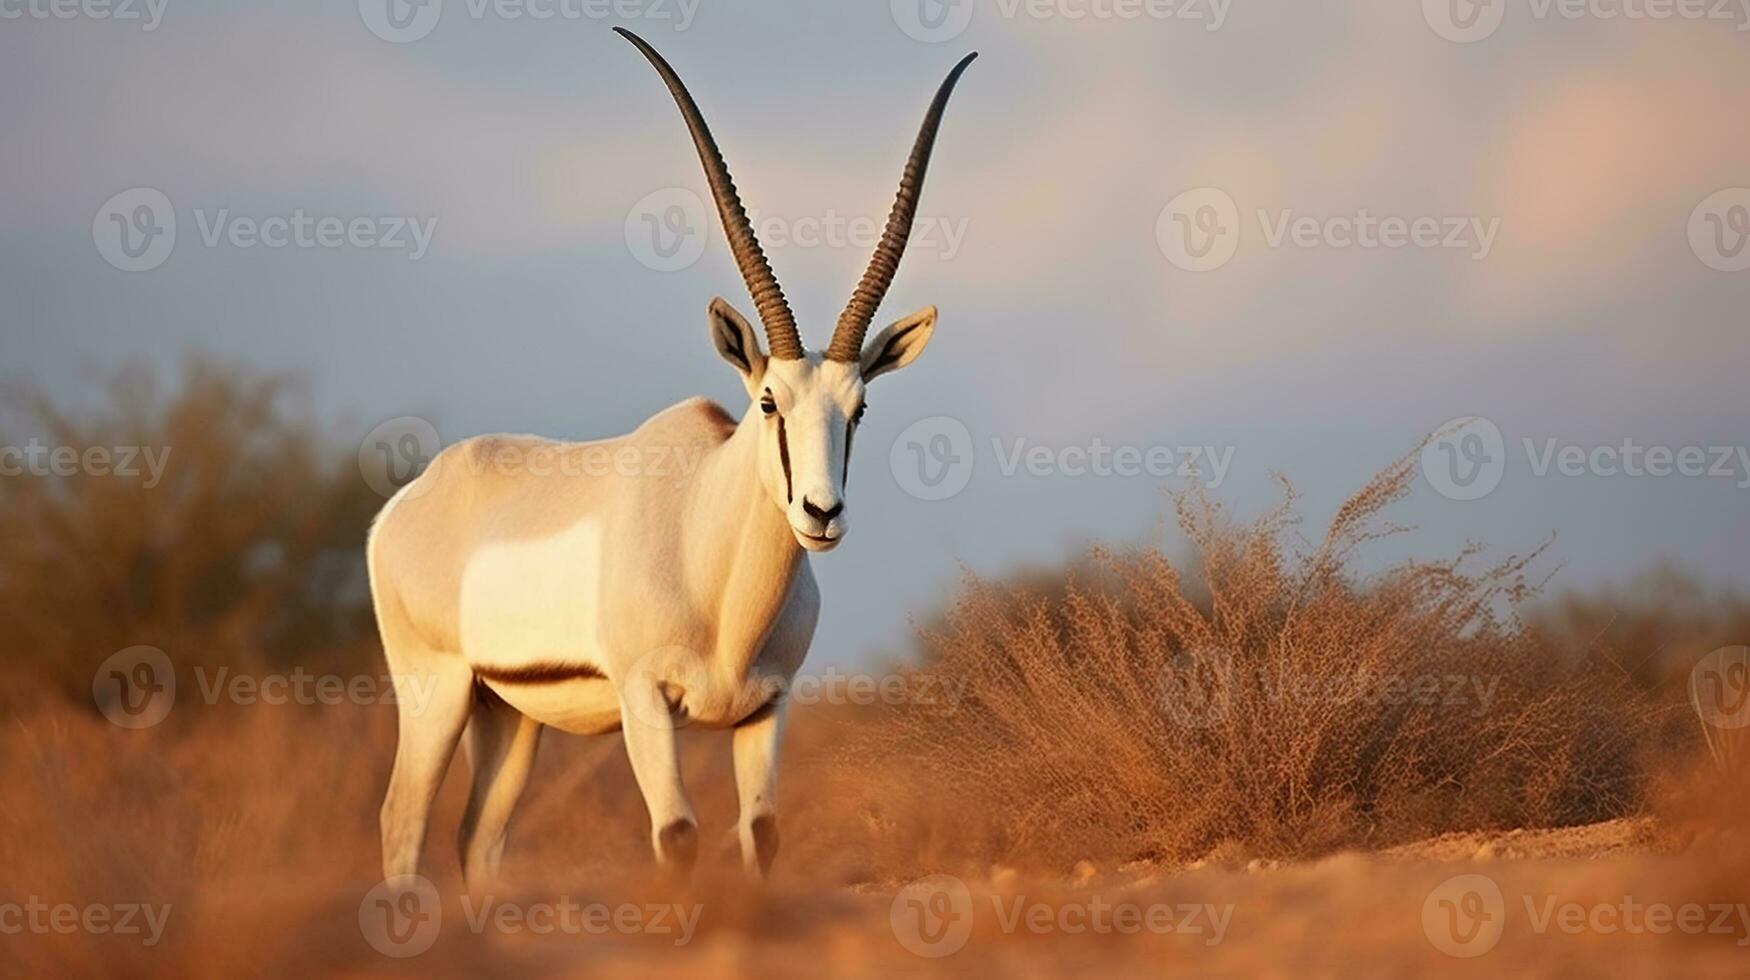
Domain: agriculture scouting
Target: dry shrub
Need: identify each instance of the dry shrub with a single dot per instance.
(1269, 698)
(1655, 628)
(245, 548)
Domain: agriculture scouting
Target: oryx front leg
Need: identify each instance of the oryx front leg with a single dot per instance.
(756, 783)
(649, 727)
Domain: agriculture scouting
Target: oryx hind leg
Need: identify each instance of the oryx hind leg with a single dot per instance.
(433, 694)
(500, 744)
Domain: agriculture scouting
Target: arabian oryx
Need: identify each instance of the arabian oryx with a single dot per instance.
(592, 595)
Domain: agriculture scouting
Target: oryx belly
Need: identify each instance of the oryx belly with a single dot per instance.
(582, 706)
(529, 625)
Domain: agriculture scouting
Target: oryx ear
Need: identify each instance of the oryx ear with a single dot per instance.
(899, 344)
(735, 341)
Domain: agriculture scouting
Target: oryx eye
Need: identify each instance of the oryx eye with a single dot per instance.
(767, 404)
(857, 416)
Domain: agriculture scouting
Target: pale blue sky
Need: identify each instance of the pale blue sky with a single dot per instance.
(1588, 145)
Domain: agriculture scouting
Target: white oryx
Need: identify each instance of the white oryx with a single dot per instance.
(521, 582)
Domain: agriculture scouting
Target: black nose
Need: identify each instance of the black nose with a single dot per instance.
(820, 515)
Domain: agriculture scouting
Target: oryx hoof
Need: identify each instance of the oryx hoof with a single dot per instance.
(763, 830)
(677, 846)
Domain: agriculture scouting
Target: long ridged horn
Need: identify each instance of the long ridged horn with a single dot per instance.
(847, 337)
(768, 296)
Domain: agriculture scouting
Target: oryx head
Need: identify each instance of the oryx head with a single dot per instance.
(810, 401)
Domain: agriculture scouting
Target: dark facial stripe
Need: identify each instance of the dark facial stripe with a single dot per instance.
(547, 673)
(845, 474)
(784, 455)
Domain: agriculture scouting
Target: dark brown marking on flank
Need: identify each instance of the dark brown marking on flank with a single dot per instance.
(539, 673)
(719, 418)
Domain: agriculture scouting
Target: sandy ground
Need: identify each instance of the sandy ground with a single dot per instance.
(1541, 903)
(267, 852)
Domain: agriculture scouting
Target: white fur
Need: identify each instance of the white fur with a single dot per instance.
(665, 573)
